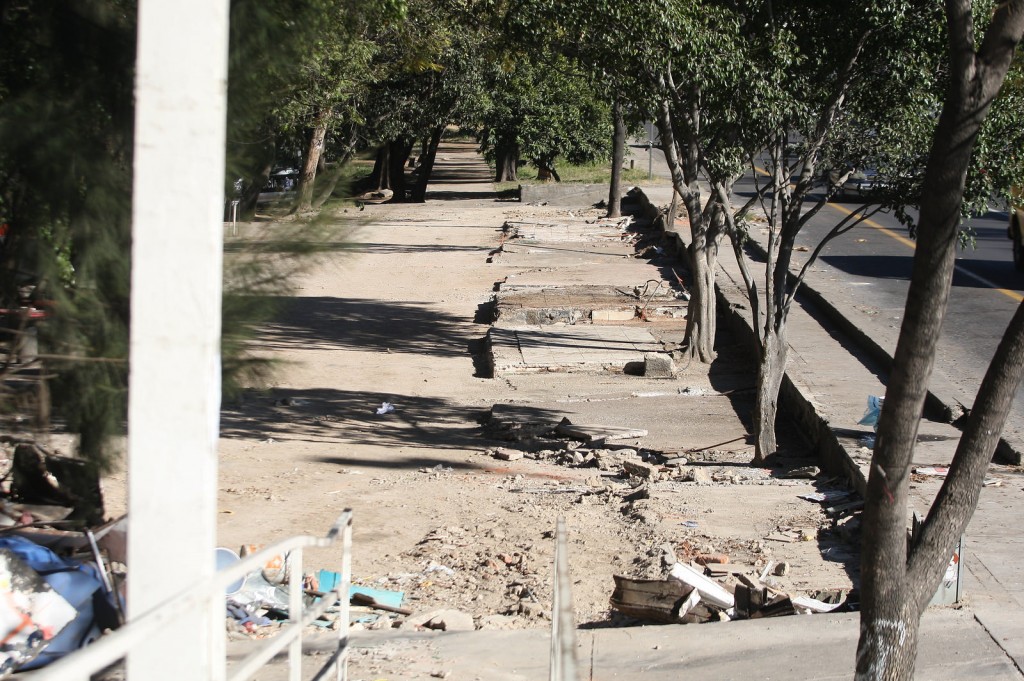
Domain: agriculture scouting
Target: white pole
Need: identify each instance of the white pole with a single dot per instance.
(174, 385)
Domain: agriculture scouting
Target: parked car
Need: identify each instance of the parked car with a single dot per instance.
(282, 180)
(858, 185)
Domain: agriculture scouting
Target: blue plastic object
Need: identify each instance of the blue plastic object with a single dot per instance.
(78, 583)
(874, 410)
(329, 581)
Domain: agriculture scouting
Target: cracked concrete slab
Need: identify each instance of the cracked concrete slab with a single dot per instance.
(528, 349)
(549, 232)
(531, 305)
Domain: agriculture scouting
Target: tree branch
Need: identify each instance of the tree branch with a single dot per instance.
(955, 503)
(842, 227)
(734, 238)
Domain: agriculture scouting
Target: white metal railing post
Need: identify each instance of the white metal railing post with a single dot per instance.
(346, 585)
(295, 606)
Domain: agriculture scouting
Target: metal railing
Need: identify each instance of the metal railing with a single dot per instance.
(563, 629)
(113, 647)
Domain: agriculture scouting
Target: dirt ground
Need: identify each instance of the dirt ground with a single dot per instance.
(397, 313)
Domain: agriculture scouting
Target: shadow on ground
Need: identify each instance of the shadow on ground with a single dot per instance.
(345, 417)
(321, 323)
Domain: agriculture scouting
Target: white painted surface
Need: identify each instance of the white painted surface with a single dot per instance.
(174, 386)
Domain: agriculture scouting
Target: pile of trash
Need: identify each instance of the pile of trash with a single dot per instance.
(710, 591)
(258, 605)
(61, 567)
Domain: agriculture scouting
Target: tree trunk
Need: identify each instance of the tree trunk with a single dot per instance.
(380, 178)
(618, 158)
(506, 161)
(251, 192)
(894, 592)
(398, 154)
(419, 192)
(546, 172)
(331, 180)
(770, 371)
(304, 193)
(774, 349)
(702, 308)
(887, 648)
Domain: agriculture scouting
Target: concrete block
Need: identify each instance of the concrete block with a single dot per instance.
(619, 315)
(640, 469)
(563, 193)
(507, 454)
(659, 366)
(444, 620)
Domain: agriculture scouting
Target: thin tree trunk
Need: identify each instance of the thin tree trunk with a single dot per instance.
(331, 180)
(618, 158)
(419, 192)
(774, 349)
(304, 193)
(380, 177)
(770, 371)
(701, 315)
(397, 156)
(702, 308)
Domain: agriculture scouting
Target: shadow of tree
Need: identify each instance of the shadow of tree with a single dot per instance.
(354, 323)
(349, 417)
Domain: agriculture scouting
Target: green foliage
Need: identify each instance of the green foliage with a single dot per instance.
(291, 61)
(66, 117)
(997, 166)
(429, 73)
(545, 109)
(596, 172)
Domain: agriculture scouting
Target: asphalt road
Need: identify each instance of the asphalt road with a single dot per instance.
(872, 263)
(874, 260)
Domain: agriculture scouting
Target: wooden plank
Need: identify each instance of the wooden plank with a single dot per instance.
(659, 600)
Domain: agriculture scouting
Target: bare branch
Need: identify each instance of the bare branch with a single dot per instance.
(828, 116)
(842, 227)
(741, 259)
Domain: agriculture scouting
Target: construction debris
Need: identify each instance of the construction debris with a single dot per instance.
(686, 596)
(591, 432)
(658, 600)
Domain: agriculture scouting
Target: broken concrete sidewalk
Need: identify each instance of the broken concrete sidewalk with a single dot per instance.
(556, 317)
